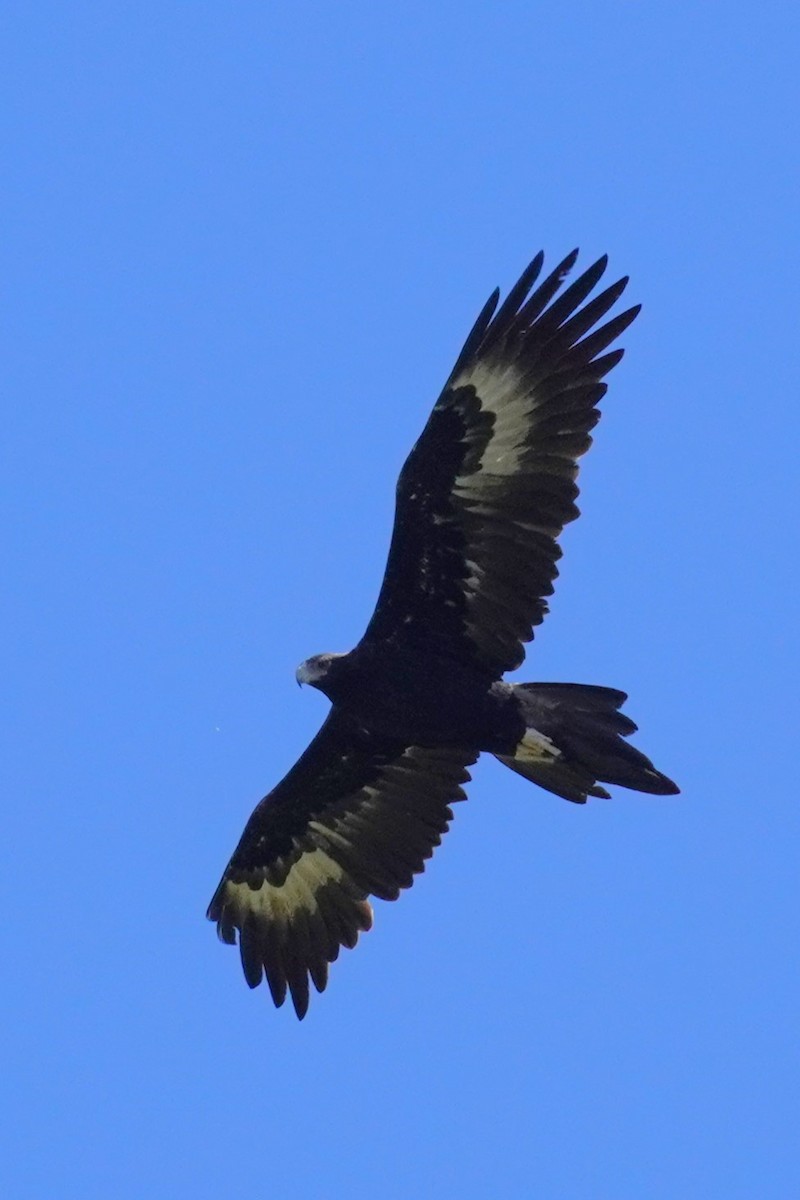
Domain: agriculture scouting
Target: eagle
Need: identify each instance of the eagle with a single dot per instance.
(481, 501)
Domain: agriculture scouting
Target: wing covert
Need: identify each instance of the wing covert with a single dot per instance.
(490, 484)
(357, 815)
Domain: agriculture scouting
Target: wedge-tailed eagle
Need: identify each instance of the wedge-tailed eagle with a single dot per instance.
(481, 501)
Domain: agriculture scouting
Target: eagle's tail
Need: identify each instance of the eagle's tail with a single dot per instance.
(575, 739)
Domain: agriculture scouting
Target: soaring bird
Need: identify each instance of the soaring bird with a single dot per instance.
(481, 501)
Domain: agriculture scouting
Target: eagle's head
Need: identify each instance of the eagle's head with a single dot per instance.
(316, 670)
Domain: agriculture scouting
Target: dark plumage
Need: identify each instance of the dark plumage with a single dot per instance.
(481, 501)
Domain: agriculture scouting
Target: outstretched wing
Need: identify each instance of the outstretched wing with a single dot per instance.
(357, 815)
(490, 484)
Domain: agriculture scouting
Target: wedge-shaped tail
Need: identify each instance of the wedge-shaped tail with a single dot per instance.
(575, 741)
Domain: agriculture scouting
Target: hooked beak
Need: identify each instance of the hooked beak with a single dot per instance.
(303, 674)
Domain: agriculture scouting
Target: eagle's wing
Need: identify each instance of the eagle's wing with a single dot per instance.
(357, 815)
(490, 484)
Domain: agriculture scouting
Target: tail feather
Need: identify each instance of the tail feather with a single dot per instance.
(574, 742)
(563, 779)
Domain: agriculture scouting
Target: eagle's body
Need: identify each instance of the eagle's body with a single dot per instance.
(431, 702)
(481, 500)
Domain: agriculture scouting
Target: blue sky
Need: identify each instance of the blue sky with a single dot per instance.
(241, 249)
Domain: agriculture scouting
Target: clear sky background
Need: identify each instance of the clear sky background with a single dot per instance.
(242, 245)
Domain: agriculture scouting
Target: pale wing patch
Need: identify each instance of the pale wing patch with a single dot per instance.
(313, 870)
(290, 930)
(501, 392)
(512, 506)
